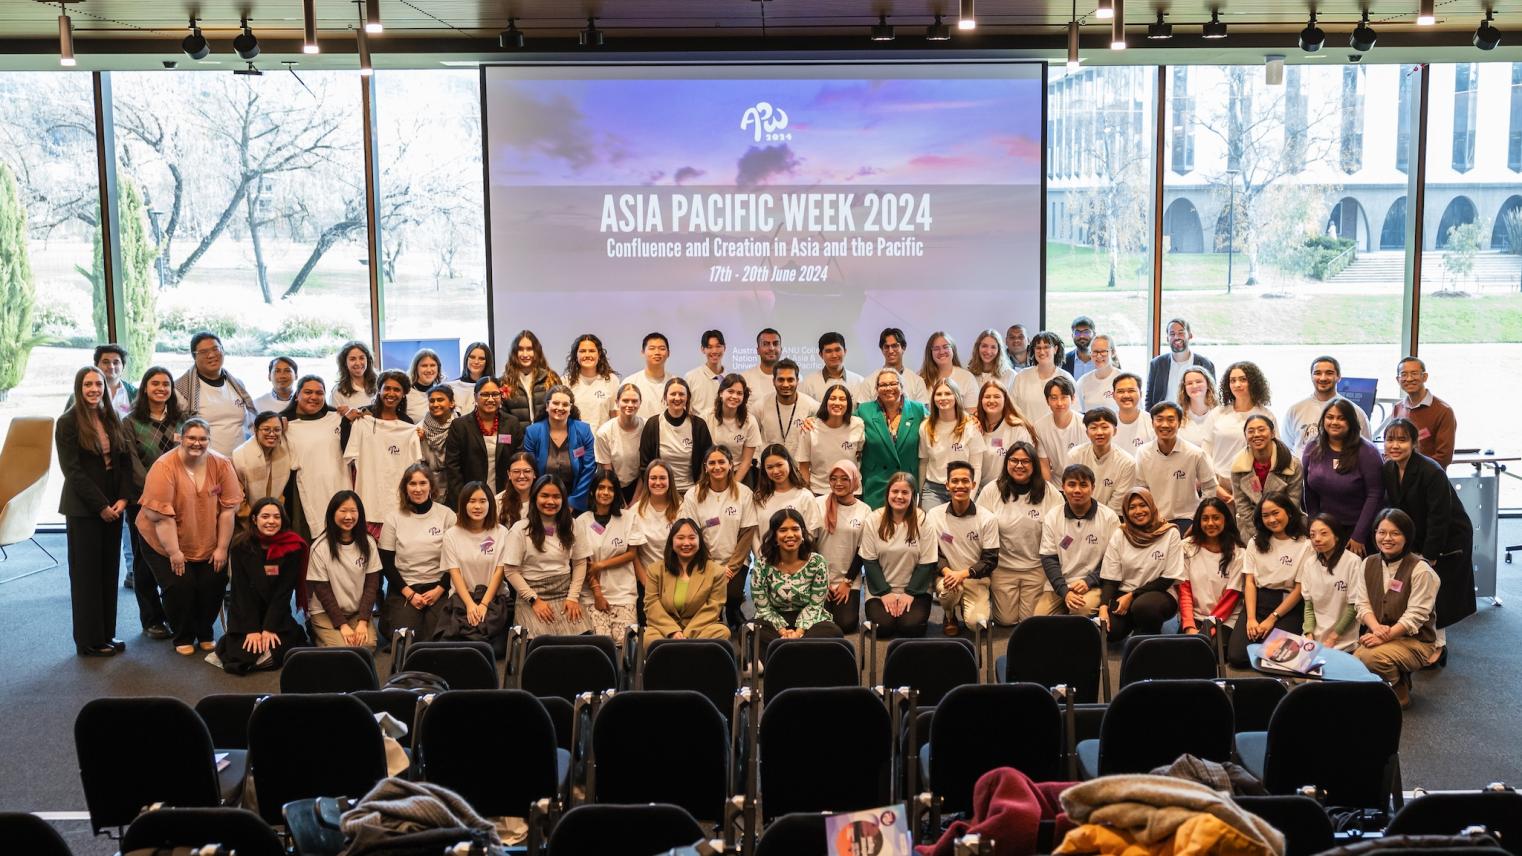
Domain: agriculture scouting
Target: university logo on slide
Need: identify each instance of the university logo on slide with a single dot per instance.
(766, 121)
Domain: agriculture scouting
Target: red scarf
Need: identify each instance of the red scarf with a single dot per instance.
(284, 544)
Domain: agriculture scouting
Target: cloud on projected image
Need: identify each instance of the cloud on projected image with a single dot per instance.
(760, 165)
(686, 174)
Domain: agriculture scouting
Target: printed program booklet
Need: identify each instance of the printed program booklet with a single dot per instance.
(1291, 654)
(872, 832)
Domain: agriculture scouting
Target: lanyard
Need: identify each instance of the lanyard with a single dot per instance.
(787, 426)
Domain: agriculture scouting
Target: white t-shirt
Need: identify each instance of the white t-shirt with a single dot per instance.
(816, 385)
(1095, 391)
(1056, 444)
(1113, 476)
(823, 447)
(898, 556)
(346, 574)
(652, 392)
(797, 498)
(1019, 524)
(269, 402)
(948, 447)
(1133, 566)
(996, 446)
(1078, 543)
(618, 449)
(1226, 437)
(1030, 392)
(705, 390)
(654, 528)
(1005, 379)
(960, 541)
(1198, 429)
(357, 399)
(1302, 421)
(223, 411)
(676, 451)
(547, 569)
(464, 396)
(476, 554)
(1176, 371)
(1330, 593)
(1202, 569)
(619, 585)
(318, 462)
(380, 451)
(783, 423)
(1177, 480)
(595, 398)
(721, 515)
(1134, 436)
(418, 542)
(967, 385)
(1282, 565)
(839, 548)
(759, 382)
(737, 438)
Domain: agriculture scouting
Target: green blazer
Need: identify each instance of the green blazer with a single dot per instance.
(882, 454)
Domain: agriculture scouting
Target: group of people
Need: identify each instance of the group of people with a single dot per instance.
(1031, 479)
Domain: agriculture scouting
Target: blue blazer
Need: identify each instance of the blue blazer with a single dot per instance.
(536, 441)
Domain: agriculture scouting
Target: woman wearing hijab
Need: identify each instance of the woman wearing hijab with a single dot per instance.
(1144, 560)
(845, 519)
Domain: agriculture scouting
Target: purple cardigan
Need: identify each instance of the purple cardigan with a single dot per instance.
(1353, 498)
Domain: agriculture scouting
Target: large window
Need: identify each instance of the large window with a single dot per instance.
(250, 194)
(1272, 250)
(1466, 85)
(433, 253)
(1099, 225)
(1351, 149)
(1182, 150)
(49, 217)
(1514, 138)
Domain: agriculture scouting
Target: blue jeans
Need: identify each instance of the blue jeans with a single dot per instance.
(933, 495)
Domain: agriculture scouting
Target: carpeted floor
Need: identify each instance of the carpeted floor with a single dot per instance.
(1459, 733)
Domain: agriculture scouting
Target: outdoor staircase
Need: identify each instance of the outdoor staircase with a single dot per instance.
(1491, 269)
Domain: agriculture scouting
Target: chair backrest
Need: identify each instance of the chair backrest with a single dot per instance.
(703, 665)
(226, 717)
(1500, 812)
(1147, 658)
(932, 666)
(329, 670)
(461, 668)
(24, 462)
(980, 728)
(800, 728)
(1056, 649)
(310, 745)
(811, 663)
(1150, 723)
(654, 828)
(167, 758)
(236, 829)
(27, 833)
(496, 748)
(1306, 827)
(799, 834)
(604, 644)
(401, 704)
(473, 644)
(567, 671)
(562, 712)
(1253, 701)
(634, 765)
(1352, 769)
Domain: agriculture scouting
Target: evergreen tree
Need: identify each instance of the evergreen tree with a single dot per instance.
(134, 279)
(17, 291)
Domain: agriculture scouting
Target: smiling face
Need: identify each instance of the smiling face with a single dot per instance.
(684, 541)
(657, 481)
(1019, 466)
(1044, 353)
(959, 485)
(988, 350)
(1397, 445)
(267, 521)
(1059, 401)
(419, 488)
(941, 353)
(346, 516)
(1178, 338)
(268, 433)
(208, 356)
(193, 442)
(1127, 394)
(521, 476)
(356, 362)
(1165, 425)
(676, 399)
(158, 388)
(713, 351)
(1275, 518)
(93, 388)
(900, 495)
(523, 353)
(733, 395)
(1138, 512)
(476, 362)
(558, 407)
(840, 484)
(439, 406)
(1324, 378)
(587, 356)
(945, 401)
(992, 401)
(628, 402)
(1412, 378)
(549, 500)
(391, 394)
(785, 382)
(602, 496)
(777, 470)
(1212, 522)
(309, 399)
(893, 351)
(427, 371)
(488, 399)
(1259, 435)
(835, 403)
(110, 365)
(789, 535)
(889, 389)
(1323, 539)
(1333, 424)
(1079, 493)
(1014, 340)
(769, 348)
(1083, 336)
(1389, 539)
(1100, 351)
(1195, 386)
(1100, 433)
(656, 351)
(717, 467)
(477, 506)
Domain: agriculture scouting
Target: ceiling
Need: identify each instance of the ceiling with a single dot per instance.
(425, 33)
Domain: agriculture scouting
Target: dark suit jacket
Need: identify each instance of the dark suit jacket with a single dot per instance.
(465, 453)
(88, 486)
(1157, 376)
(1444, 533)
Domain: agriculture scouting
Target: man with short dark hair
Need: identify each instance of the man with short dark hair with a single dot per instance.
(783, 413)
(1059, 429)
(832, 352)
(1073, 543)
(1015, 347)
(705, 379)
(768, 352)
(892, 343)
(1178, 473)
(1078, 362)
(1302, 420)
(1436, 424)
(967, 547)
(1132, 427)
(1113, 467)
(112, 362)
(1167, 369)
(209, 391)
(651, 380)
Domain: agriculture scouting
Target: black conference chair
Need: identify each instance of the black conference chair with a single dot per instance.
(226, 717)
(519, 648)
(456, 752)
(292, 741)
(566, 671)
(933, 667)
(27, 833)
(484, 648)
(980, 728)
(1306, 827)
(1149, 724)
(1498, 809)
(461, 668)
(1355, 770)
(1147, 658)
(1253, 701)
(631, 767)
(329, 670)
(1058, 649)
(799, 834)
(401, 704)
(795, 734)
(706, 666)
(236, 829)
(561, 713)
(810, 663)
(167, 759)
(593, 830)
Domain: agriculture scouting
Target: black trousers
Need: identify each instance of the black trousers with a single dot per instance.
(909, 625)
(734, 616)
(191, 599)
(1147, 615)
(150, 608)
(95, 559)
(767, 633)
(1268, 601)
(847, 615)
(397, 613)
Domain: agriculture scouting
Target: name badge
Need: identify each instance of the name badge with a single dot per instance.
(578, 452)
(505, 439)
(1423, 434)
(599, 528)
(549, 531)
(998, 442)
(1066, 542)
(1396, 586)
(947, 537)
(712, 521)
(272, 570)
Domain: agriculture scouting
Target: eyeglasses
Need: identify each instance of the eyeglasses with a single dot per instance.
(1019, 462)
(892, 384)
(893, 346)
(1410, 375)
(490, 396)
(208, 352)
(1101, 352)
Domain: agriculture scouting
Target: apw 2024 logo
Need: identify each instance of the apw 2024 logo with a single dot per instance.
(766, 123)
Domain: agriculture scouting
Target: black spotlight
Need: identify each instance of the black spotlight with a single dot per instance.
(1161, 29)
(882, 31)
(1312, 37)
(195, 45)
(1486, 37)
(245, 45)
(510, 38)
(938, 32)
(1214, 28)
(591, 37)
(1364, 37)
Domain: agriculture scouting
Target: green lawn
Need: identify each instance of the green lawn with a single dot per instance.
(1081, 268)
(1350, 319)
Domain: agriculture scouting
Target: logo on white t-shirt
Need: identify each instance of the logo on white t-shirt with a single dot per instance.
(1286, 560)
(1178, 474)
(1091, 539)
(394, 449)
(488, 544)
(434, 530)
(1157, 555)
(687, 443)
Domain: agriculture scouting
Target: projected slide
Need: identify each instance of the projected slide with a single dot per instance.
(626, 199)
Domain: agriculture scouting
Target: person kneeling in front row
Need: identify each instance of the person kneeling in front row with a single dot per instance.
(1073, 543)
(1394, 598)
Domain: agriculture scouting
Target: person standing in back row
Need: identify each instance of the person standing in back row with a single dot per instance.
(1435, 422)
(1167, 370)
(1301, 419)
(208, 391)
